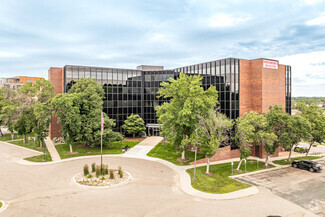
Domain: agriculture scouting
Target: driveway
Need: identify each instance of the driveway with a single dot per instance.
(301, 187)
(47, 190)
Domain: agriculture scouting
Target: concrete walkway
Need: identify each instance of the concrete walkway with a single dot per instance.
(142, 149)
(52, 150)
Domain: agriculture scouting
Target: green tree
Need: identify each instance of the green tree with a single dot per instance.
(91, 96)
(315, 116)
(179, 116)
(108, 135)
(298, 129)
(212, 131)
(67, 110)
(134, 124)
(25, 123)
(9, 113)
(42, 112)
(245, 135)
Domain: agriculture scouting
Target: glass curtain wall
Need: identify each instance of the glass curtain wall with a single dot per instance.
(224, 75)
(288, 89)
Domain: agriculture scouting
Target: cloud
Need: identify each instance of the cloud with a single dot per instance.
(312, 2)
(4, 54)
(316, 21)
(227, 20)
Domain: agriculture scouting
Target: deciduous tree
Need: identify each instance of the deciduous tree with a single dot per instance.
(188, 99)
(134, 124)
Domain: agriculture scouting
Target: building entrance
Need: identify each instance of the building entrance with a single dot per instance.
(153, 129)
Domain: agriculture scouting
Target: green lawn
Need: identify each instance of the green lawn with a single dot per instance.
(30, 145)
(114, 148)
(285, 162)
(7, 137)
(220, 183)
(171, 154)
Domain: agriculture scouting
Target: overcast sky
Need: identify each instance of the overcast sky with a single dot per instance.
(38, 34)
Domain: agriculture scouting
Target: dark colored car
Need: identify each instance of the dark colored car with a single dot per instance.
(308, 165)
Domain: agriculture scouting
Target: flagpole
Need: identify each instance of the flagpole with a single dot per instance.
(101, 144)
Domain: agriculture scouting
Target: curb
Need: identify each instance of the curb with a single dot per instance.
(73, 179)
(4, 206)
(7, 143)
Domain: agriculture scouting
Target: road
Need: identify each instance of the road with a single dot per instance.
(47, 190)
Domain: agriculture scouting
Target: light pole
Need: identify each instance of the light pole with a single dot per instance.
(164, 141)
(232, 168)
(245, 165)
(257, 162)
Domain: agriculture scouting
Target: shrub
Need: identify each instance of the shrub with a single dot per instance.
(98, 172)
(111, 174)
(120, 172)
(300, 150)
(89, 176)
(86, 170)
(103, 178)
(58, 140)
(93, 167)
(105, 169)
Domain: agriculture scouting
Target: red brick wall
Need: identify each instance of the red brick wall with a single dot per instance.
(56, 77)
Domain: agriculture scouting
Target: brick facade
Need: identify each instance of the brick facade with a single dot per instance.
(56, 77)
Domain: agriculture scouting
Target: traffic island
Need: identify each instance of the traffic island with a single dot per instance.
(3, 205)
(101, 177)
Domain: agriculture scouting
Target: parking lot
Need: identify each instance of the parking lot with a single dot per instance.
(299, 186)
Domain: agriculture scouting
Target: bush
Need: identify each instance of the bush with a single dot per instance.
(98, 172)
(111, 174)
(89, 176)
(86, 170)
(105, 169)
(300, 150)
(103, 178)
(58, 140)
(93, 167)
(120, 172)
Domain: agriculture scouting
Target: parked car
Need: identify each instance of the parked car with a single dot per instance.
(301, 149)
(308, 165)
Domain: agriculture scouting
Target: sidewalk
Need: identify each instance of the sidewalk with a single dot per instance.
(52, 150)
(143, 148)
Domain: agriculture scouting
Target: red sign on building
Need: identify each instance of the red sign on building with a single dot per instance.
(270, 64)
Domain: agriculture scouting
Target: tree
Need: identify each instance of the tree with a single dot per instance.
(298, 129)
(42, 112)
(179, 116)
(245, 136)
(134, 124)
(268, 140)
(212, 130)
(108, 135)
(25, 123)
(9, 113)
(316, 118)
(91, 96)
(67, 110)
(277, 120)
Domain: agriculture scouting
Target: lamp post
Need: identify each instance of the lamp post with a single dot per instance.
(257, 162)
(245, 165)
(232, 168)
(164, 141)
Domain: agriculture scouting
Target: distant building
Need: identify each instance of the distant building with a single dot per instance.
(15, 82)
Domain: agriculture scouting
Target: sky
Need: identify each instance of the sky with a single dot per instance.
(36, 35)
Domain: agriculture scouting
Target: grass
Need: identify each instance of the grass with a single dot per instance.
(219, 182)
(113, 148)
(31, 145)
(7, 137)
(171, 154)
(0, 204)
(285, 162)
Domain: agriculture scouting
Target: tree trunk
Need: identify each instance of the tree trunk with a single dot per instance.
(71, 148)
(267, 160)
(12, 136)
(133, 135)
(290, 153)
(183, 154)
(1, 132)
(24, 138)
(239, 164)
(311, 144)
(208, 165)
